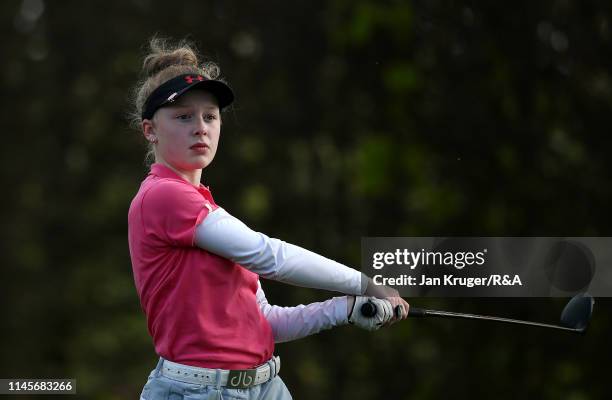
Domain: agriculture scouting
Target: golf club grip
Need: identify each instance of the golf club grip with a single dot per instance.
(369, 310)
(416, 312)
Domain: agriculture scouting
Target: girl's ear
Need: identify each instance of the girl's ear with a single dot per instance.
(148, 131)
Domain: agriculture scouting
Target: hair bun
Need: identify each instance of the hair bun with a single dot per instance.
(162, 56)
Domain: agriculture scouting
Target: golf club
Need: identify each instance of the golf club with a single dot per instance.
(574, 318)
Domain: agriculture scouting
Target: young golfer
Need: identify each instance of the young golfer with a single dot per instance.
(196, 267)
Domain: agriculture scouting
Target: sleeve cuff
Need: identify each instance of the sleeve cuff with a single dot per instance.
(340, 312)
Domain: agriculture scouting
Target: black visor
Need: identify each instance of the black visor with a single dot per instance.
(172, 89)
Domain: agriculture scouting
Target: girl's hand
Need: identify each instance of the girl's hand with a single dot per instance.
(383, 310)
(400, 306)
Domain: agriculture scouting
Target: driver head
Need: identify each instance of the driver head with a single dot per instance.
(577, 313)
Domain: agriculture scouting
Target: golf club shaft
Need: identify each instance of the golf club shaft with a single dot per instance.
(420, 312)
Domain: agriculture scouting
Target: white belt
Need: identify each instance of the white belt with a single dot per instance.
(236, 379)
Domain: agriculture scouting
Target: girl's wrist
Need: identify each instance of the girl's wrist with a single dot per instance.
(350, 302)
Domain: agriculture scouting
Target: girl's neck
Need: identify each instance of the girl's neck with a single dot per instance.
(191, 176)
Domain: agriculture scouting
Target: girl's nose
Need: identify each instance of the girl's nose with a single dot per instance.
(201, 128)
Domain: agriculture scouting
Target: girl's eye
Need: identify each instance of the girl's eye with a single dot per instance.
(207, 117)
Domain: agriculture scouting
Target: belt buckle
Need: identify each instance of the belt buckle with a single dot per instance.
(241, 378)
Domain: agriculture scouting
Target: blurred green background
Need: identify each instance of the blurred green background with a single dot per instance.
(352, 119)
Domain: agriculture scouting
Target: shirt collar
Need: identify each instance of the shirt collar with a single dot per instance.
(162, 171)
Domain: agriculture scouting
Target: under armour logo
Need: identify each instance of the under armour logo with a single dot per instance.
(189, 79)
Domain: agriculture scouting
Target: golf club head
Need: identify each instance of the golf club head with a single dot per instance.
(577, 313)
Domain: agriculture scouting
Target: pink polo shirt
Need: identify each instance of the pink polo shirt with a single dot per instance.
(201, 309)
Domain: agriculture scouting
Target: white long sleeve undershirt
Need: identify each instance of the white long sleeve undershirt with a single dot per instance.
(291, 323)
(222, 234)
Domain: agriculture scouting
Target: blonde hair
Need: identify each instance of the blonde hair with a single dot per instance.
(164, 61)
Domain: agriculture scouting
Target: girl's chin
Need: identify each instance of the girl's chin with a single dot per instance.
(201, 162)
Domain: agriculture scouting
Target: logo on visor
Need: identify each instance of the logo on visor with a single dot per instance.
(189, 79)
